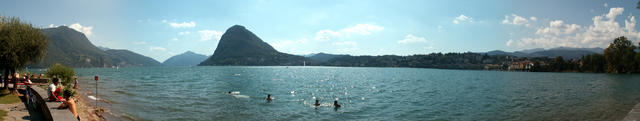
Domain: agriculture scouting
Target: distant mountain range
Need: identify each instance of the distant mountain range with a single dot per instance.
(128, 58)
(565, 52)
(323, 57)
(103, 48)
(239, 46)
(72, 48)
(185, 59)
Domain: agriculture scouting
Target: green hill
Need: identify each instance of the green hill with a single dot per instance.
(128, 58)
(185, 59)
(72, 48)
(239, 46)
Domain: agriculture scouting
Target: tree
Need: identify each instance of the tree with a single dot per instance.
(592, 63)
(59, 71)
(20, 43)
(558, 64)
(637, 58)
(620, 56)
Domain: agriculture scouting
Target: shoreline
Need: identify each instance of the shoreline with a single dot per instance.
(85, 110)
(89, 110)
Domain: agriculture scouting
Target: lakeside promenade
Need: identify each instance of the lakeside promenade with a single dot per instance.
(56, 114)
(634, 114)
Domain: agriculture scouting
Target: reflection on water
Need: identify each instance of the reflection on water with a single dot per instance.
(200, 93)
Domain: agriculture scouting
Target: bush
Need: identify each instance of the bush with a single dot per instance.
(65, 74)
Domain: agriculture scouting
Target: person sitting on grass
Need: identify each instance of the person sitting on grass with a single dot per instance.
(54, 90)
(69, 103)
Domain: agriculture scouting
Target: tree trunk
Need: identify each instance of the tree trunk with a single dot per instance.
(6, 79)
(15, 82)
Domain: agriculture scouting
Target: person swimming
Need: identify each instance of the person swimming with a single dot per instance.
(335, 103)
(317, 103)
(269, 97)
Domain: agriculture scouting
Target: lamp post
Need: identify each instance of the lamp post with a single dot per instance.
(96, 78)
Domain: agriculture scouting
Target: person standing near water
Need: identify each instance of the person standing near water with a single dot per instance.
(335, 103)
(75, 84)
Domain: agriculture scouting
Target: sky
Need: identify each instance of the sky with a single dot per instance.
(161, 29)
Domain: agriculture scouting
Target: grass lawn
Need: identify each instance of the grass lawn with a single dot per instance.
(6, 98)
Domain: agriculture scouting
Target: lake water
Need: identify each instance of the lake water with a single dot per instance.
(199, 93)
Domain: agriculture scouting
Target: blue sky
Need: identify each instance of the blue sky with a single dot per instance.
(161, 29)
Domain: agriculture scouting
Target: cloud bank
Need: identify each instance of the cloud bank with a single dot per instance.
(600, 33)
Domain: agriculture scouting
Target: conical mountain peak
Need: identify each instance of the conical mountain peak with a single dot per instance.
(239, 46)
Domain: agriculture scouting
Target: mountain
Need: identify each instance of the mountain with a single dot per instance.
(72, 48)
(185, 59)
(527, 51)
(128, 58)
(565, 52)
(103, 48)
(239, 46)
(500, 52)
(594, 50)
(323, 57)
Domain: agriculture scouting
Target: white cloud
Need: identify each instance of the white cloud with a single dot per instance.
(290, 42)
(156, 48)
(84, 29)
(139, 43)
(411, 39)
(183, 24)
(557, 27)
(184, 33)
(164, 20)
(606, 5)
(206, 35)
(359, 29)
(363, 29)
(344, 43)
(325, 35)
(51, 26)
(509, 42)
(613, 12)
(462, 18)
(174, 39)
(602, 32)
(514, 19)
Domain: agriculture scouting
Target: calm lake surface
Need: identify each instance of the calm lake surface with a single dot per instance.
(199, 93)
